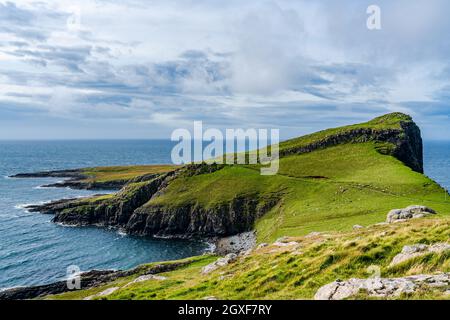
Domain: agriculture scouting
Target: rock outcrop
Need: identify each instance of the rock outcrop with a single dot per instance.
(193, 220)
(229, 258)
(418, 250)
(382, 287)
(411, 212)
(131, 211)
(404, 143)
(74, 179)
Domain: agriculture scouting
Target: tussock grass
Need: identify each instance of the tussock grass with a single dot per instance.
(296, 272)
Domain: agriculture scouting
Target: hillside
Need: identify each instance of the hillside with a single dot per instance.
(295, 268)
(328, 182)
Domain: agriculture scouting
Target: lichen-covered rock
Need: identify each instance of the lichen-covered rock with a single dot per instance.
(146, 277)
(219, 263)
(104, 293)
(381, 287)
(417, 250)
(411, 212)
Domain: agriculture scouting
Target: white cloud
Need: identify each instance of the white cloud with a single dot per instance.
(231, 63)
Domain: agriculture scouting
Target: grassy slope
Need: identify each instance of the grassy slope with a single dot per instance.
(326, 190)
(296, 272)
(359, 186)
(388, 121)
(119, 173)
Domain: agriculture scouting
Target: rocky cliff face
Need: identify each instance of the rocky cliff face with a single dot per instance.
(405, 143)
(132, 210)
(128, 210)
(193, 220)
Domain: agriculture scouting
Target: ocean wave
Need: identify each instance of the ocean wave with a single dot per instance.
(10, 288)
(23, 207)
(122, 233)
(62, 224)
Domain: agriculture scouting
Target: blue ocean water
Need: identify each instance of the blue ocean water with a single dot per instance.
(35, 251)
(437, 162)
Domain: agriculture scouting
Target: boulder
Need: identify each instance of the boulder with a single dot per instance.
(381, 287)
(417, 250)
(285, 244)
(146, 277)
(411, 212)
(104, 293)
(219, 263)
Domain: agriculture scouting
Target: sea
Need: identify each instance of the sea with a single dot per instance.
(34, 251)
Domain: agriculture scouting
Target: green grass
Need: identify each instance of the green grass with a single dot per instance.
(389, 121)
(297, 272)
(325, 190)
(328, 189)
(119, 173)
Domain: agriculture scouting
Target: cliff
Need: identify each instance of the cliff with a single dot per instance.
(361, 168)
(395, 134)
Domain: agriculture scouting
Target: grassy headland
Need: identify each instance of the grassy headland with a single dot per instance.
(327, 182)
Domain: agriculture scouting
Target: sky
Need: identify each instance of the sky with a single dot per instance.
(110, 69)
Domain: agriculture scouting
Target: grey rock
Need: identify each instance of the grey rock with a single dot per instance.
(411, 212)
(285, 244)
(313, 234)
(417, 250)
(229, 258)
(146, 277)
(381, 287)
(104, 293)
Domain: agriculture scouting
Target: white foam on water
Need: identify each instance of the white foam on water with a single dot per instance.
(22, 206)
(122, 233)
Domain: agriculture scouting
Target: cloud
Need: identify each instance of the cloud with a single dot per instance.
(296, 65)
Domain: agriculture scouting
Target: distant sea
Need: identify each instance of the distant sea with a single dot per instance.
(34, 251)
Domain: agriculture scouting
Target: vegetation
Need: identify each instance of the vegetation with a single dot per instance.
(391, 121)
(296, 271)
(121, 173)
(325, 190)
(328, 190)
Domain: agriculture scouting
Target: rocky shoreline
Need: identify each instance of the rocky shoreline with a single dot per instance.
(74, 179)
(88, 280)
(129, 210)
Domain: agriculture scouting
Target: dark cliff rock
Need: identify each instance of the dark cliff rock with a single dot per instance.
(132, 209)
(75, 179)
(111, 212)
(193, 220)
(76, 174)
(405, 144)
